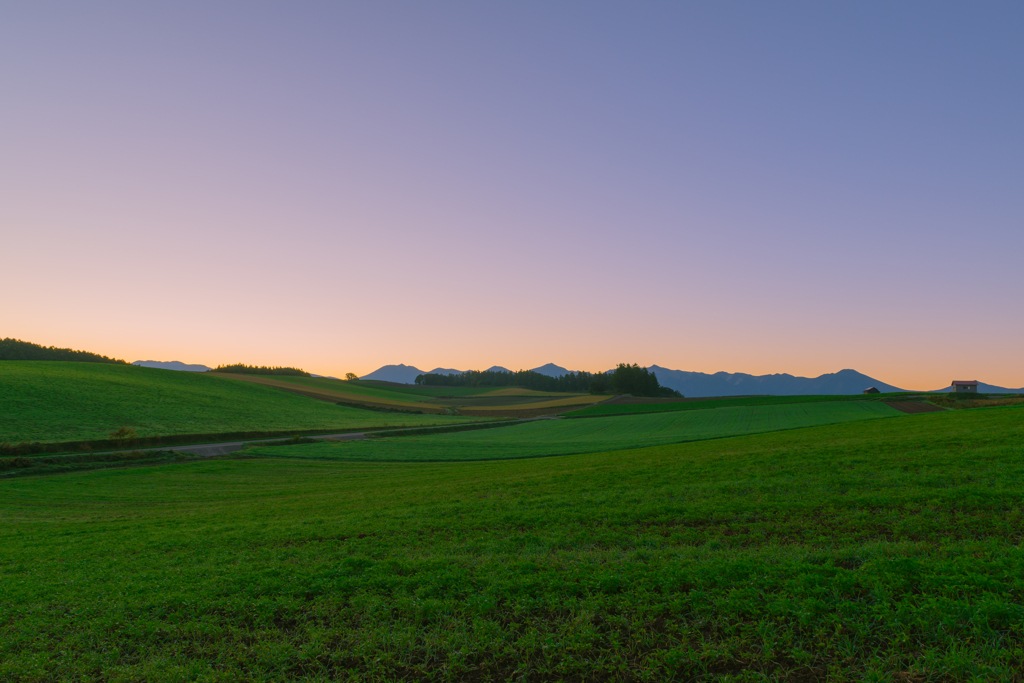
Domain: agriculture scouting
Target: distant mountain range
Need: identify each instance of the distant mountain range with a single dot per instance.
(171, 365)
(406, 374)
(701, 385)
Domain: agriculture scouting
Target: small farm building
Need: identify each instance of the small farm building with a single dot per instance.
(872, 390)
(960, 387)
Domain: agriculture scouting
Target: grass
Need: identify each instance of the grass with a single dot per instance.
(963, 402)
(885, 550)
(703, 404)
(52, 401)
(560, 437)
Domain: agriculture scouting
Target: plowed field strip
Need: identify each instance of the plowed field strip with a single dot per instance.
(545, 405)
(327, 394)
(515, 391)
(914, 407)
(514, 411)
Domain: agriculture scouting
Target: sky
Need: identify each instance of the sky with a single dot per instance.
(753, 187)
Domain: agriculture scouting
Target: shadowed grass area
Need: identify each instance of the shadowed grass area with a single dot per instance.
(885, 550)
(55, 401)
(560, 437)
(614, 408)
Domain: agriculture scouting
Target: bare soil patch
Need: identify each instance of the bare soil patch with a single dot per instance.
(522, 412)
(631, 400)
(914, 407)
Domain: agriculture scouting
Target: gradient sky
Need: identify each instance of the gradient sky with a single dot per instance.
(750, 187)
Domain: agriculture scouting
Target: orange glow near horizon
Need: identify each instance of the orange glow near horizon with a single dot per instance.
(261, 348)
(343, 186)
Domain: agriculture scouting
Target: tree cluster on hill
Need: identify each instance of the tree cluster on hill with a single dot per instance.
(625, 379)
(15, 349)
(243, 369)
(638, 381)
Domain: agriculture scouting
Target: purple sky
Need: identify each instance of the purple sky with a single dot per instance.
(750, 187)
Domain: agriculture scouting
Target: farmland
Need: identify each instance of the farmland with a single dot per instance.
(331, 390)
(875, 550)
(480, 402)
(560, 437)
(53, 401)
(636, 406)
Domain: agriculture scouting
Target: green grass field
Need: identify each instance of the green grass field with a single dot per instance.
(635, 408)
(560, 437)
(880, 550)
(51, 401)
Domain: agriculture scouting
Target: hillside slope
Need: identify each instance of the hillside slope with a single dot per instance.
(53, 401)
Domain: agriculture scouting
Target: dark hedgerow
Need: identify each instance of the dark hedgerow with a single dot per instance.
(15, 349)
(243, 369)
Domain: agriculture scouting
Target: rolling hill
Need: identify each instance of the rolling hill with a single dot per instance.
(62, 401)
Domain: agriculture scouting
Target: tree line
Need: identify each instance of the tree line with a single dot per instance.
(243, 369)
(15, 349)
(624, 379)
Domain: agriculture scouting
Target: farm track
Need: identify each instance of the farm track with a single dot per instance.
(228, 447)
(633, 400)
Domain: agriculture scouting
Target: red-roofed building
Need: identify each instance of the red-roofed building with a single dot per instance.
(960, 387)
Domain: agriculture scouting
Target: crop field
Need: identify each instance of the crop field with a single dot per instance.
(620, 407)
(327, 390)
(560, 437)
(880, 550)
(51, 401)
(353, 388)
(490, 400)
(517, 391)
(423, 391)
(486, 402)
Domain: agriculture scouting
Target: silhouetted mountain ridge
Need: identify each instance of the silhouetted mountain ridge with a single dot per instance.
(171, 365)
(699, 384)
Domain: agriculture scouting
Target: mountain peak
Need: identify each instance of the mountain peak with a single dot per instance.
(171, 365)
(401, 373)
(551, 370)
